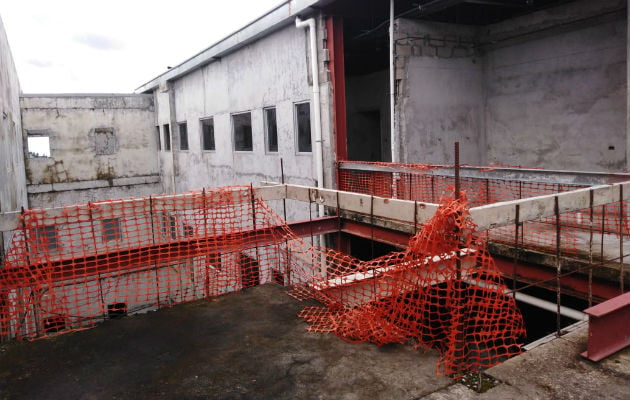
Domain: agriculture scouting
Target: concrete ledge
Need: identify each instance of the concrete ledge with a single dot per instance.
(94, 184)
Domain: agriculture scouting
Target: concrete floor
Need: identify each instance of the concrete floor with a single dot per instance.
(251, 345)
(247, 345)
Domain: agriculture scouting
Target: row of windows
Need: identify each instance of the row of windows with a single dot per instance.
(242, 131)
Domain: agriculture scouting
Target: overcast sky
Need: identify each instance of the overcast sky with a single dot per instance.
(72, 46)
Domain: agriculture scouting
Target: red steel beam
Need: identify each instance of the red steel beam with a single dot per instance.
(334, 31)
(382, 235)
(608, 327)
(575, 285)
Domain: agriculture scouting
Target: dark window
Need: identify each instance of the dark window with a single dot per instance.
(158, 139)
(242, 125)
(167, 137)
(169, 226)
(207, 131)
(303, 122)
(271, 130)
(46, 236)
(111, 229)
(213, 260)
(183, 136)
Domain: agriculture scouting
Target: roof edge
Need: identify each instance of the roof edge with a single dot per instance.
(276, 18)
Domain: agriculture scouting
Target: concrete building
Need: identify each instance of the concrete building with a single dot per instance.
(95, 147)
(12, 176)
(297, 95)
(540, 85)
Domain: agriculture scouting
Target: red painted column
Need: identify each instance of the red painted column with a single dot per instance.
(334, 27)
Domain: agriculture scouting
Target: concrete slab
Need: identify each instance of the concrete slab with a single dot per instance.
(554, 370)
(248, 345)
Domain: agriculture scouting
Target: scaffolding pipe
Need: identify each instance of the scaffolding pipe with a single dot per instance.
(536, 302)
(392, 83)
(319, 161)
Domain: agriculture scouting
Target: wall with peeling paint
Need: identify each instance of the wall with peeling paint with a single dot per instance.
(12, 178)
(101, 146)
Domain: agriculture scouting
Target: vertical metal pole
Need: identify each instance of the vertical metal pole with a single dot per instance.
(253, 200)
(392, 87)
(284, 209)
(284, 199)
(31, 295)
(621, 218)
(459, 285)
(590, 249)
(601, 247)
(155, 264)
(372, 227)
(206, 291)
(98, 274)
(457, 170)
(558, 268)
(517, 212)
(457, 260)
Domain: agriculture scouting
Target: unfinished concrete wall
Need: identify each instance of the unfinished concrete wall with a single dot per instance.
(12, 177)
(101, 146)
(555, 87)
(440, 94)
(271, 72)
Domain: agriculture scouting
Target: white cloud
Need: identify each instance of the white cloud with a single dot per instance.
(65, 45)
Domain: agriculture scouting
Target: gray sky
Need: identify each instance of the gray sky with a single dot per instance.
(66, 46)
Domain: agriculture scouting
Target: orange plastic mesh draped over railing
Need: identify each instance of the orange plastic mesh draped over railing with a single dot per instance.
(423, 183)
(70, 268)
(443, 292)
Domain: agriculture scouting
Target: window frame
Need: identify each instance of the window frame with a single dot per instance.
(214, 138)
(158, 136)
(38, 134)
(179, 132)
(112, 232)
(166, 128)
(46, 237)
(297, 127)
(266, 126)
(251, 125)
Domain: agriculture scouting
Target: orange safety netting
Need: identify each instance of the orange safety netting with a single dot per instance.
(442, 292)
(429, 183)
(70, 268)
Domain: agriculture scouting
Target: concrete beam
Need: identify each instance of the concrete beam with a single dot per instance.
(551, 20)
(578, 178)
(500, 214)
(378, 208)
(93, 184)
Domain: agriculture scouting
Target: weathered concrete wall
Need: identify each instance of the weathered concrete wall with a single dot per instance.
(440, 100)
(271, 72)
(557, 98)
(101, 146)
(12, 177)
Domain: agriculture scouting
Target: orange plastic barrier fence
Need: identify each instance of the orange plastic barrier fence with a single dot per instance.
(442, 292)
(71, 268)
(417, 182)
